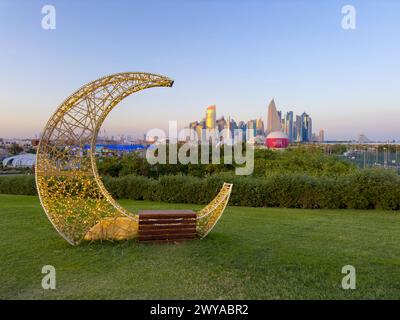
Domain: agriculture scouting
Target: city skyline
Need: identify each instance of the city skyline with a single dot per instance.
(299, 130)
(297, 51)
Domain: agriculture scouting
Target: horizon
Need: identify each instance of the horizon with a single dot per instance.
(237, 56)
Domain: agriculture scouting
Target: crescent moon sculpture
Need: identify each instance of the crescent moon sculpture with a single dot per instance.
(70, 189)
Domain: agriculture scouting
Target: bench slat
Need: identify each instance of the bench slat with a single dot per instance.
(143, 227)
(167, 237)
(167, 216)
(168, 231)
(167, 221)
(165, 241)
(166, 226)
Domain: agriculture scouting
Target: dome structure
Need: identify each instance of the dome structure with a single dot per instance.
(277, 140)
(26, 160)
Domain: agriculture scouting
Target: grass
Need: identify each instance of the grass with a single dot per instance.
(253, 253)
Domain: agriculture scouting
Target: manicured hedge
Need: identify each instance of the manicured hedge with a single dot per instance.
(18, 184)
(365, 189)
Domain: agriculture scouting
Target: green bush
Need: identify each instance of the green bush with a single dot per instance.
(372, 189)
(364, 189)
(310, 160)
(132, 187)
(18, 184)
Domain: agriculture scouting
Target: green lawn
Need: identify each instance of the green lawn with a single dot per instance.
(253, 253)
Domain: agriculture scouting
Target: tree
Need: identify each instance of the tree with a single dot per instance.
(15, 149)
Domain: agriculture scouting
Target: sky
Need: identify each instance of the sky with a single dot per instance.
(235, 54)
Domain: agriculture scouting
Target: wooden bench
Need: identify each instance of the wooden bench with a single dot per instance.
(158, 226)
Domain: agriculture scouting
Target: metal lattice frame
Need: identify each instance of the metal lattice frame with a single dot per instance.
(69, 186)
(70, 189)
(209, 215)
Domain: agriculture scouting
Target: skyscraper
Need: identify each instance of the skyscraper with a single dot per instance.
(242, 127)
(260, 127)
(201, 133)
(306, 130)
(200, 129)
(252, 126)
(280, 114)
(220, 123)
(211, 117)
(193, 125)
(273, 120)
(230, 128)
(321, 135)
(298, 128)
(288, 126)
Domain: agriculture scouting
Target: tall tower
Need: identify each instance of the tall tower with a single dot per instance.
(229, 129)
(288, 125)
(306, 131)
(298, 129)
(252, 125)
(321, 135)
(211, 117)
(274, 123)
(260, 126)
(220, 123)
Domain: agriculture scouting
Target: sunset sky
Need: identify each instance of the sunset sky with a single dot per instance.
(235, 54)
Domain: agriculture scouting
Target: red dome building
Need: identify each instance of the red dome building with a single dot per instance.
(277, 140)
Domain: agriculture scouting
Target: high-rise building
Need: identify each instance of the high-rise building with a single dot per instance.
(260, 127)
(298, 125)
(193, 125)
(306, 130)
(203, 123)
(201, 133)
(252, 125)
(231, 124)
(199, 127)
(321, 135)
(230, 129)
(234, 125)
(242, 127)
(288, 125)
(211, 117)
(273, 119)
(220, 123)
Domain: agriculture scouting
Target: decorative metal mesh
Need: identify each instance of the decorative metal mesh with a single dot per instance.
(69, 186)
(70, 189)
(209, 215)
